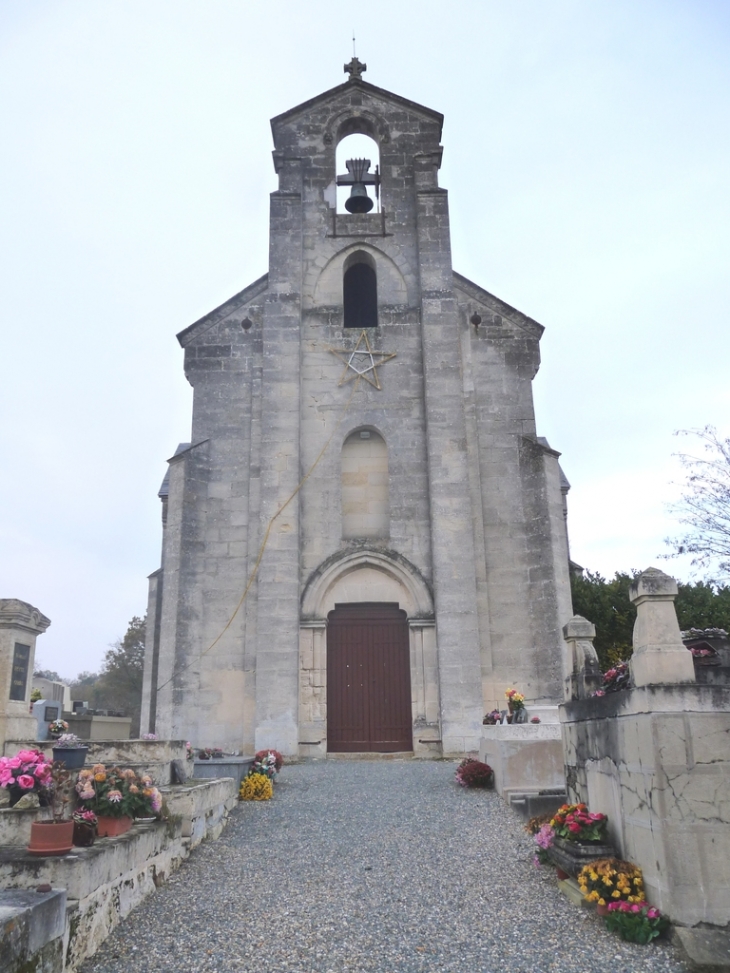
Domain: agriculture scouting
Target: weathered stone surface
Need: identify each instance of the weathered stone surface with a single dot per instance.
(707, 950)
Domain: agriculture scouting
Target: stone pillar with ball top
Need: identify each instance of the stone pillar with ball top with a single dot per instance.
(20, 625)
(660, 657)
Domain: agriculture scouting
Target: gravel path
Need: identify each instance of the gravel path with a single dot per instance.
(383, 866)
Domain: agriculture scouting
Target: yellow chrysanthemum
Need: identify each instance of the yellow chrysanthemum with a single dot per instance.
(615, 894)
(256, 787)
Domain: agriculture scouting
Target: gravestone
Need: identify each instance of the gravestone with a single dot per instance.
(20, 625)
(45, 711)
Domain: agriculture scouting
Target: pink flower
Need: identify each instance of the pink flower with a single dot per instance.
(15, 763)
(114, 796)
(26, 782)
(652, 913)
(87, 794)
(636, 907)
(30, 756)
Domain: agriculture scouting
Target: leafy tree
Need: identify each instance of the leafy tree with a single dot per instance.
(48, 674)
(607, 605)
(705, 505)
(118, 686)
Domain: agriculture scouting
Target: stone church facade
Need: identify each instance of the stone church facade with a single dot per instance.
(364, 542)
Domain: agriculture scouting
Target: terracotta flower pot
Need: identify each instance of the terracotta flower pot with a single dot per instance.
(561, 874)
(112, 827)
(51, 837)
(601, 910)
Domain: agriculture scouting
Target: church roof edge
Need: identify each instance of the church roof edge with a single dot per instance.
(506, 310)
(223, 310)
(345, 86)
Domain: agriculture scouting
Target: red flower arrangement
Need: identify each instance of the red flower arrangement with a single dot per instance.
(473, 773)
(575, 823)
(261, 754)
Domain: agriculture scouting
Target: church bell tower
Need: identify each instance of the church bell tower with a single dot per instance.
(364, 540)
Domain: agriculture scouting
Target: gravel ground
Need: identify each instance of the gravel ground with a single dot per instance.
(383, 866)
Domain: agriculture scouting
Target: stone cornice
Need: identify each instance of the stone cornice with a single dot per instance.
(19, 614)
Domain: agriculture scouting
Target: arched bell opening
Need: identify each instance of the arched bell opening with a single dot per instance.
(358, 168)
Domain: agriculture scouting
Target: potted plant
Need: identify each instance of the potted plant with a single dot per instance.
(610, 880)
(85, 822)
(116, 797)
(69, 751)
(474, 773)
(54, 837)
(57, 728)
(580, 837)
(636, 922)
(28, 772)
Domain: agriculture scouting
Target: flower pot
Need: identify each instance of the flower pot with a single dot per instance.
(73, 758)
(112, 827)
(561, 874)
(601, 910)
(571, 856)
(51, 837)
(84, 834)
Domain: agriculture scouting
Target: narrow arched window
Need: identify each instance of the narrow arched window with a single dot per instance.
(365, 509)
(360, 294)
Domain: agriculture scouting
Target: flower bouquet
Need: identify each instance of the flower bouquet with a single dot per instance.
(256, 787)
(474, 773)
(544, 839)
(58, 727)
(609, 880)
(492, 718)
(267, 762)
(573, 822)
(28, 772)
(515, 700)
(635, 922)
(615, 679)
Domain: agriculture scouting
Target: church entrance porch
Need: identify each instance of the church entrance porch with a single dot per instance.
(368, 679)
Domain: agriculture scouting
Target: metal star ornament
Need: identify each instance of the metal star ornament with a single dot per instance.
(361, 362)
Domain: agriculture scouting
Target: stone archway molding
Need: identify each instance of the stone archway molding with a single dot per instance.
(315, 600)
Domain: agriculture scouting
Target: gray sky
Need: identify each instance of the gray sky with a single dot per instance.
(587, 154)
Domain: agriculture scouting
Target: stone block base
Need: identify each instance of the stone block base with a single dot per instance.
(525, 757)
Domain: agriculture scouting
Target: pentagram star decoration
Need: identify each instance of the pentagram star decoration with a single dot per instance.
(362, 363)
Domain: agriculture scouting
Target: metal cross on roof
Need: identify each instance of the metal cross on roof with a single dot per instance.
(355, 69)
(362, 363)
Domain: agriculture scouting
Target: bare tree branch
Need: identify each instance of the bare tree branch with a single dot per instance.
(705, 504)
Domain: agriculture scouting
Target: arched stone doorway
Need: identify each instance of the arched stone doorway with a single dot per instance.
(360, 584)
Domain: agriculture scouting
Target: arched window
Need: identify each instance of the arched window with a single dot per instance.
(365, 509)
(360, 292)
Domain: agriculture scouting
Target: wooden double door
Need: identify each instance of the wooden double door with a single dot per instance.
(368, 679)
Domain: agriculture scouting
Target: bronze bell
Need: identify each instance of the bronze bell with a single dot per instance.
(359, 201)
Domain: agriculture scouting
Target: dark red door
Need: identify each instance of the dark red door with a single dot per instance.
(368, 679)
